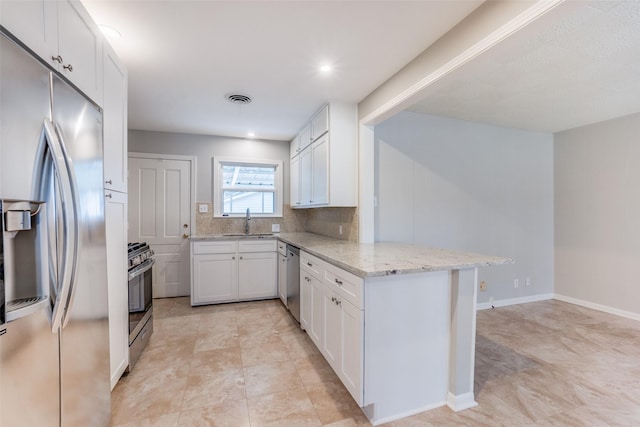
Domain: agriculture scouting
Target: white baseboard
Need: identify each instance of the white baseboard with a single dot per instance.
(599, 307)
(461, 402)
(514, 301)
(378, 421)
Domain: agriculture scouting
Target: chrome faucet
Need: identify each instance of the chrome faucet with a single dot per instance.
(246, 222)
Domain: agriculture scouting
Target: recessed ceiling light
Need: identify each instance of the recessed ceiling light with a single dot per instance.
(325, 68)
(251, 134)
(109, 31)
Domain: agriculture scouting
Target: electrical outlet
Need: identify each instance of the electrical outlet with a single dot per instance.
(275, 228)
(483, 286)
(202, 208)
(340, 229)
(527, 281)
(516, 283)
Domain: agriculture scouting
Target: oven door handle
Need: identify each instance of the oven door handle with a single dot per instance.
(146, 268)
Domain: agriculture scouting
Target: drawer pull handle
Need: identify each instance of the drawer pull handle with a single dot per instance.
(108, 182)
(309, 264)
(339, 282)
(57, 59)
(68, 67)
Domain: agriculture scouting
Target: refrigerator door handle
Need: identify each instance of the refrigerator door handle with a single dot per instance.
(69, 225)
(77, 242)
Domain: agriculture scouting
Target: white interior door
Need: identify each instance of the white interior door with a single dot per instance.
(160, 214)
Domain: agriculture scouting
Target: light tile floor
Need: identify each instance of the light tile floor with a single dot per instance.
(248, 364)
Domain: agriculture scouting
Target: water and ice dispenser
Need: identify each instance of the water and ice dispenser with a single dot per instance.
(24, 284)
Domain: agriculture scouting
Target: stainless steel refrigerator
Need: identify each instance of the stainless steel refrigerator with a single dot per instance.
(54, 338)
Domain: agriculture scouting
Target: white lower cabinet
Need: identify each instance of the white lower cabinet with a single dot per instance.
(282, 278)
(214, 278)
(333, 321)
(115, 210)
(257, 275)
(311, 296)
(225, 271)
(351, 343)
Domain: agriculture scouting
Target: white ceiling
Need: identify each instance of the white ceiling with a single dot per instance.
(578, 64)
(183, 57)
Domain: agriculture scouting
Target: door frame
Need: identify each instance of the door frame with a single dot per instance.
(193, 163)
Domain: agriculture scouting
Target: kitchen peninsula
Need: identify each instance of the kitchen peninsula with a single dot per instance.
(396, 322)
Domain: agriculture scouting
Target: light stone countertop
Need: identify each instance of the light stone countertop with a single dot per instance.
(379, 259)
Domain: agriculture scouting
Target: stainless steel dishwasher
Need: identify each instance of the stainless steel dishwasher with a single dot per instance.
(293, 281)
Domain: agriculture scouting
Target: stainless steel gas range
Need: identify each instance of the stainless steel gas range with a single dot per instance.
(140, 299)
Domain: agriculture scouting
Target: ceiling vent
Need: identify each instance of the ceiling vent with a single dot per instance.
(237, 98)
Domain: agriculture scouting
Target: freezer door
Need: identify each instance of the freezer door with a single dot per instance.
(85, 382)
(29, 377)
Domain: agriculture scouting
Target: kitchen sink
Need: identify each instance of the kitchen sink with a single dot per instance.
(248, 235)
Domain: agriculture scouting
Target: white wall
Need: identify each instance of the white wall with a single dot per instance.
(471, 187)
(204, 147)
(597, 214)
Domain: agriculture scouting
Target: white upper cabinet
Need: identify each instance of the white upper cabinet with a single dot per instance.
(304, 137)
(326, 173)
(294, 146)
(320, 123)
(115, 122)
(294, 178)
(63, 34)
(34, 23)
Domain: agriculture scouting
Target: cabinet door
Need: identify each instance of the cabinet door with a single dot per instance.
(320, 172)
(294, 188)
(320, 123)
(214, 279)
(80, 46)
(331, 328)
(115, 210)
(306, 313)
(282, 278)
(34, 23)
(294, 146)
(305, 177)
(304, 137)
(257, 275)
(351, 343)
(315, 328)
(115, 121)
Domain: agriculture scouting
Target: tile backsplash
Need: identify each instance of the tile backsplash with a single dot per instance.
(324, 221)
(330, 221)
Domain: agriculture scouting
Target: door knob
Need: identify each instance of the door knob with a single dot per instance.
(185, 236)
(185, 226)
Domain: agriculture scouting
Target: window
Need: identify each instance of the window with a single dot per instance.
(239, 185)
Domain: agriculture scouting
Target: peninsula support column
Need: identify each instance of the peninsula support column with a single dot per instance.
(462, 345)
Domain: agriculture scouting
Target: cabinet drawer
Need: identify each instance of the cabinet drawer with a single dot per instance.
(312, 264)
(260, 245)
(347, 285)
(215, 247)
(282, 248)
